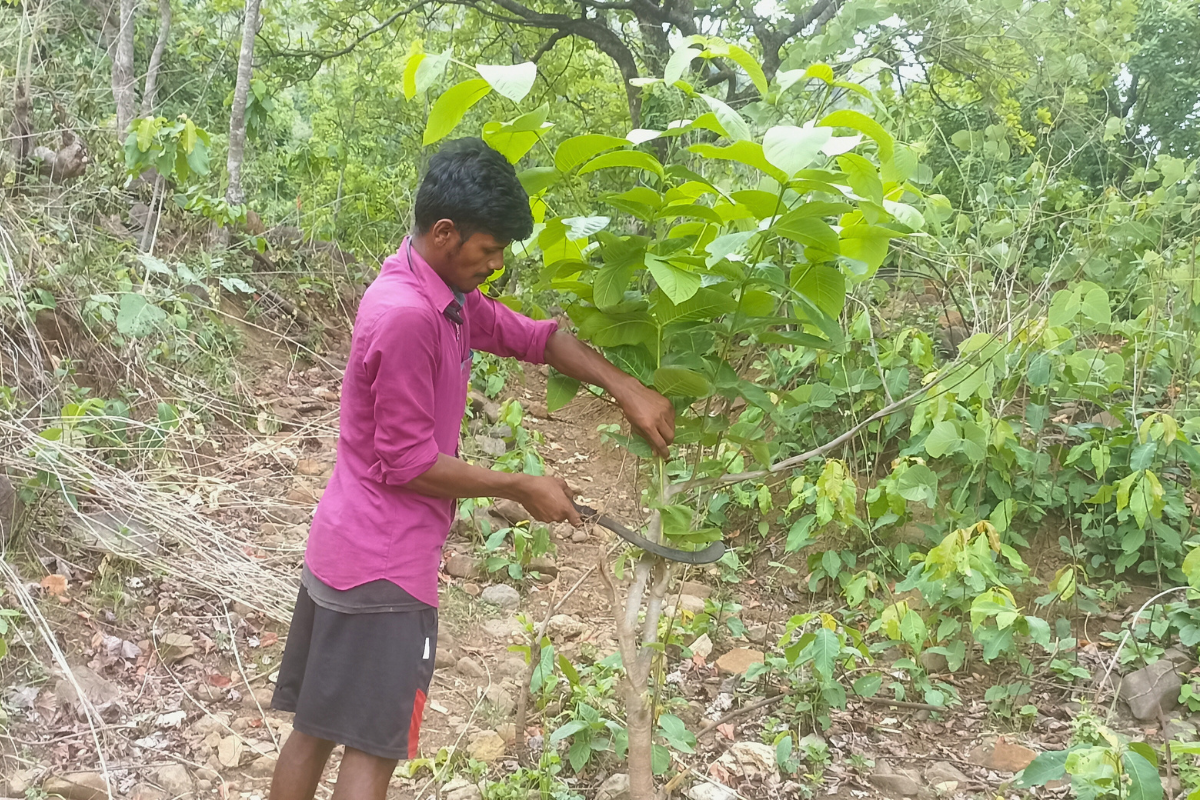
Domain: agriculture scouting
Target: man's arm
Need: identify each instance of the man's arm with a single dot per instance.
(547, 499)
(650, 414)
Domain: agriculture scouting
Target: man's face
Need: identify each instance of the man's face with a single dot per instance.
(467, 264)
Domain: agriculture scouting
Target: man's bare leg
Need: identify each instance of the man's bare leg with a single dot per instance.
(299, 768)
(363, 776)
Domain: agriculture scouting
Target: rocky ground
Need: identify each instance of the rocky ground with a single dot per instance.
(180, 681)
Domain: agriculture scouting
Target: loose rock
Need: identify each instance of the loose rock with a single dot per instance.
(468, 792)
(502, 595)
(1152, 689)
(750, 760)
(579, 536)
(616, 787)
(711, 791)
(261, 767)
(501, 630)
(941, 774)
(702, 647)
(510, 511)
(144, 791)
(500, 699)
(934, 662)
(544, 565)
(118, 535)
(696, 589)
(486, 747)
(470, 668)
(460, 566)
(229, 751)
(1003, 756)
(174, 780)
(894, 783)
(260, 697)
(77, 786)
(691, 604)
(738, 660)
(564, 626)
(444, 659)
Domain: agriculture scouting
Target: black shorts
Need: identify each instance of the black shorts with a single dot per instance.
(358, 679)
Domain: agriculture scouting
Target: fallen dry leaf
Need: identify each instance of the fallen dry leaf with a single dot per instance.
(726, 729)
(54, 584)
(268, 639)
(218, 680)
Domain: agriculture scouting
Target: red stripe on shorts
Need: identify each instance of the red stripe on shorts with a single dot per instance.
(414, 726)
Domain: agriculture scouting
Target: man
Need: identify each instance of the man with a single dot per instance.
(360, 651)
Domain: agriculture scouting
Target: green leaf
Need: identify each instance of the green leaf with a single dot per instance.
(1049, 765)
(678, 63)
(582, 227)
(863, 177)
(866, 243)
(513, 82)
(680, 382)
(137, 317)
(578, 149)
(197, 159)
(145, 129)
(749, 63)
(428, 70)
(1142, 456)
(825, 649)
(942, 439)
(918, 484)
(791, 148)
(448, 111)
(677, 284)
(824, 285)
(808, 230)
(734, 125)
(1145, 783)
(624, 158)
(706, 304)
(748, 153)
(676, 733)
(1095, 306)
(569, 729)
(608, 286)
(610, 331)
(868, 685)
(860, 122)
(535, 179)
(560, 390)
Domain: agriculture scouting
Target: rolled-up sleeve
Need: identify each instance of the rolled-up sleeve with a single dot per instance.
(400, 364)
(496, 328)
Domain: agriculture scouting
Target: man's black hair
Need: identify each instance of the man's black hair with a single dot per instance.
(476, 188)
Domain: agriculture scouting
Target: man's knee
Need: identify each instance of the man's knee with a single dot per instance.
(303, 747)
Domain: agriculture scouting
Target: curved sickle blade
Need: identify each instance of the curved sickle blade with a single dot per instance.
(706, 556)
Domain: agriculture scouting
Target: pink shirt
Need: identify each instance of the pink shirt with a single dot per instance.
(403, 399)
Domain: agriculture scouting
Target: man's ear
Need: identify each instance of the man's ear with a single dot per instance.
(444, 233)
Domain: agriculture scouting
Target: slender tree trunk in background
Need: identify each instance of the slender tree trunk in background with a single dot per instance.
(164, 31)
(123, 81)
(237, 116)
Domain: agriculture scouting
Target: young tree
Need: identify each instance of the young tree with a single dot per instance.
(237, 115)
(123, 80)
(150, 92)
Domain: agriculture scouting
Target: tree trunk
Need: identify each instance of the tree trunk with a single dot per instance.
(639, 723)
(123, 81)
(164, 31)
(237, 116)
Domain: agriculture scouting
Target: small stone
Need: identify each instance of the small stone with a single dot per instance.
(468, 792)
(544, 565)
(77, 786)
(20, 781)
(486, 747)
(207, 774)
(738, 660)
(510, 511)
(1152, 689)
(312, 467)
(174, 647)
(691, 604)
(1003, 756)
(229, 751)
(262, 767)
(508, 732)
(750, 761)
(259, 698)
(564, 626)
(144, 791)
(894, 783)
(934, 662)
(513, 667)
(470, 668)
(472, 589)
(942, 773)
(501, 630)
(711, 791)
(460, 566)
(500, 699)
(174, 780)
(579, 536)
(502, 595)
(756, 633)
(616, 787)
(203, 787)
(696, 589)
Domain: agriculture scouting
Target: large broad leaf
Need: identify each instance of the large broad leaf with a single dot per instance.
(1050, 765)
(582, 227)
(825, 649)
(513, 82)
(560, 390)
(677, 284)
(427, 69)
(1145, 783)
(514, 139)
(748, 153)
(866, 243)
(808, 230)
(609, 331)
(943, 439)
(860, 122)
(448, 111)
(824, 285)
(535, 179)
(706, 304)
(862, 176)
(791, 148)
(732, 123)
(747, 62)
(578, 149)
(918, 484)
(137, 316)
(608, 287)
(678, 63)
(680, 382)
(726, 245)
(624, 158)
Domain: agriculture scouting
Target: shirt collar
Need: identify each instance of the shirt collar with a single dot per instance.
(437, 290)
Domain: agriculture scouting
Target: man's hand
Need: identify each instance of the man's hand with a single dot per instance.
(547, 499)
(651, 415)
